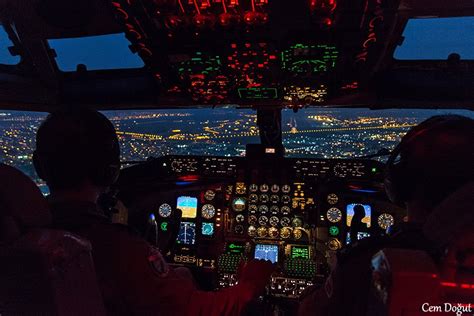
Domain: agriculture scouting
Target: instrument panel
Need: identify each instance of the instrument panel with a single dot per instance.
(294, 212)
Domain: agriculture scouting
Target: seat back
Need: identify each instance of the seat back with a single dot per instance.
(42, 271)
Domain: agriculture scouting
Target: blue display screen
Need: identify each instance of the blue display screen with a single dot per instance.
(188, 205)
(187, 233)
(367, 214)
(266, 252)
(207, 229)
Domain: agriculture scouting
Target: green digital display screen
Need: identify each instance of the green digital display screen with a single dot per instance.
(235, 248)
(299, 252)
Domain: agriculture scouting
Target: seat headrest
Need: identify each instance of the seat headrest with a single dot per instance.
(453, 217)
(21, 199)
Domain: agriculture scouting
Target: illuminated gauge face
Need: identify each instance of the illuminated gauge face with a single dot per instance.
(209, 195)
(274, 209)
(285, 210)
(253, 208)
(385, 220)
(334, 244)
(273, 232)
(263, 220)
(240, 188)
(264, 188)
(286, 188)
(285, 221)
(239, 229)
(285, 233)
(253, 198)
(274, 199)
(274, 221)
(252, 231)
(285, 199)
(208, 211)
(253, 188)
(207, 229)
(238, 204)
(264, 198)
(275, 188)
(332, 198)
(334, 215)
(296, 222)
(297, 234)
(262, 232)
(263, 209)
(252, 220)
(240, 218)
(164, 210)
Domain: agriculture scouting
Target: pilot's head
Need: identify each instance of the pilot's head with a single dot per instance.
(77, 147)
(432, 160)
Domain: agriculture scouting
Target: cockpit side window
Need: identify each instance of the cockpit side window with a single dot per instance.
(6, 58)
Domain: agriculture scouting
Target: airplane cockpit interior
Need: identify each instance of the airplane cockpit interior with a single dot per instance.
(266, 123)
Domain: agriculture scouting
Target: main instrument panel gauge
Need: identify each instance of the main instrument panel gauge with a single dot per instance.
(239, 229)
(252, 219)
(334, 215)
(285, 233)
(240, 218)
(164, 210)
(286, 188)
(264, 198)
(274, 199)
(334, 244)
(264, 188)
(273, 232)
(332, 198)
(275, 188)
(253, 208)
(385, 220)
(296, 222)
(263, 208)
(261, 231)
(274, 209)
(240, 188)
(252, 231)
(208, 211)
(274, 221)
(297, 234)
(238, 204)
(285, 221)
(285, 199)
(253, 188)
(285, 210)
(209, 195)
(253, 198)
(263, 220)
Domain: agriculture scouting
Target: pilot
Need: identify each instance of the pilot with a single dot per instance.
(432, 161)
(77, 154)
(356, 222)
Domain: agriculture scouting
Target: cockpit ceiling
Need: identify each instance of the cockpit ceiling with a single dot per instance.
(249, 53)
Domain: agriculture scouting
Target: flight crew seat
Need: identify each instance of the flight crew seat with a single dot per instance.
(42, 271)
(409, 282)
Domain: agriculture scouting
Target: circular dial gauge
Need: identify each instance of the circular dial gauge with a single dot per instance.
(253, 198)
(264, 188)
(297, 222)
(285, 232)
(297, 234)
(240, 188)
(285, 199)
(207, 229)
(274, 209)
(240, 218)
(253, 188)
(253, 208)
(332, 198)
(273, 232)
(238, 204)
(334, 215)
(164, 210)
(209, 195)
(275, 188)
(274, 221)
(263, 209)
(285, 210)
(252, 220)
(274, 198)
(286, 188)
(334, 244)
(264, 198)
(262, 231)
(208, 211)
(239, 229)
(252, 231)
(285, 221)
(385, 220)
(263, 220)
